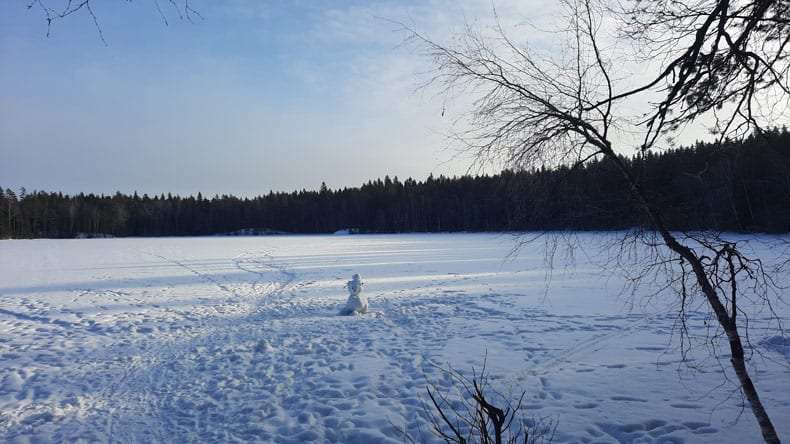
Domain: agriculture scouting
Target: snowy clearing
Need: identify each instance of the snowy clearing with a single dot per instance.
(238, 339)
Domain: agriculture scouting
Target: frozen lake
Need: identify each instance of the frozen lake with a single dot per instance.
(238, 340)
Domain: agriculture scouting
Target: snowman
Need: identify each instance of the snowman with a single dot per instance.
(357, 302)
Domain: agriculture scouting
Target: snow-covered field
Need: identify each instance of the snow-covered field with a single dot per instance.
(238, 340)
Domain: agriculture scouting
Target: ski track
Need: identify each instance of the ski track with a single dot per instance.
(249, 348)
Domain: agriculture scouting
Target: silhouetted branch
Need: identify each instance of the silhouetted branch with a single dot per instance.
(67, 8)
(468, 413)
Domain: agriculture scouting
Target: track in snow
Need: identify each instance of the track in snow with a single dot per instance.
(238, 340)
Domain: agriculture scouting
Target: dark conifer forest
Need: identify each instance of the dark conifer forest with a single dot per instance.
(741, 187)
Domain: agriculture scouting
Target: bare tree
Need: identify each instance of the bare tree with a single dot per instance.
(719, 61)
(472, 412)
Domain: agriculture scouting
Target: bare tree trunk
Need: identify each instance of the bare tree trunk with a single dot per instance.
(728, 323)
(730, 328)
(738, 363)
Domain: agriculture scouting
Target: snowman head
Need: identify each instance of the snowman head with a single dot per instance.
(355, 284)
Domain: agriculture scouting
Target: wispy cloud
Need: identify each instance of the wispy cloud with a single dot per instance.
(258, 96)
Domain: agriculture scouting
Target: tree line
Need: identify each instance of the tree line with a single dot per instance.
(726, 186)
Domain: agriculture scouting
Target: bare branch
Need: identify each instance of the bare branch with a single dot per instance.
(182, 8)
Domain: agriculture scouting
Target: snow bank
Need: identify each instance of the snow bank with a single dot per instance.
(346, 231)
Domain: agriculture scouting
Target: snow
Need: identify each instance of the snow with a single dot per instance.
(238, 340)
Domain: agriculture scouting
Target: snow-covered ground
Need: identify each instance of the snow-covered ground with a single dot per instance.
(238, 340)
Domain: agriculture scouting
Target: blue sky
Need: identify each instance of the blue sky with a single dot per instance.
(256, 96)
